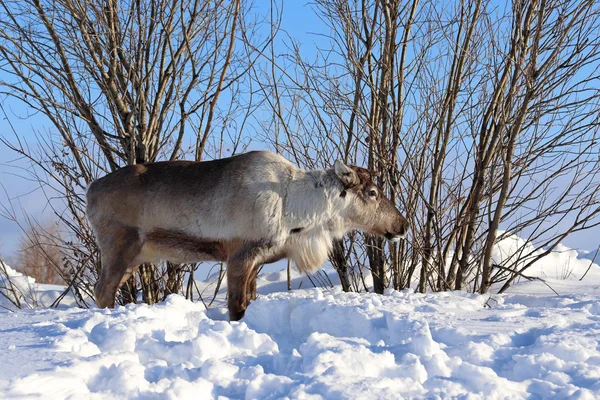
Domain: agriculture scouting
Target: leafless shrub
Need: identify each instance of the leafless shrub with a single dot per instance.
(480, 119)
(476, 117)
(122, 83)
(40, 256)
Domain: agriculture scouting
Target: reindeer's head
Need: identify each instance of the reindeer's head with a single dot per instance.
(368, 208)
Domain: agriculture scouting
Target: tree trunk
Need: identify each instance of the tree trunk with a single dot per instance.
(338, 259)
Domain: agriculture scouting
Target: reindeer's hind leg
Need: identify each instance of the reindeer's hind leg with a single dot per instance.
(119, 249)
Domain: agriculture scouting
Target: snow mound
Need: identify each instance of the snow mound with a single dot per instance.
(19, 291)
(313, 344)
(316, 344)
(15, 288)
(562, 263)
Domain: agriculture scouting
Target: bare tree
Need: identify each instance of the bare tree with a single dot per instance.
(476, 118)
(124, 82)
(479, 119)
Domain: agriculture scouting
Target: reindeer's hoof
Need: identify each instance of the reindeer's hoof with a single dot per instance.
(236, 315)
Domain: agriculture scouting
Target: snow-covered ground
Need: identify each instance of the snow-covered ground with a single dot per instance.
(316, 343)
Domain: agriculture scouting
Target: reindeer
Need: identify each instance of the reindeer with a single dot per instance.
(247, 210)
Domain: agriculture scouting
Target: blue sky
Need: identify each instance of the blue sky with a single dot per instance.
(298, 20)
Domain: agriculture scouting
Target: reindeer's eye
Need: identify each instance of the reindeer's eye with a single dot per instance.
(372, 193)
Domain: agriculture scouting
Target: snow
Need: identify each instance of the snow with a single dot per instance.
(17, 290)
(320, 343)
(25, 291)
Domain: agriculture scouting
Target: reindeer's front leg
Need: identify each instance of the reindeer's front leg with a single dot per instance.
(236, 283)
(241, 272)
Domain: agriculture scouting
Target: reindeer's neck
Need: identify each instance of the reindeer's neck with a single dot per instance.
(313, 202)
(312, 217)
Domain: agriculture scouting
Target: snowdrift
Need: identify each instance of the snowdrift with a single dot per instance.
(15, 288)
(311, 344)
(317, 343)
(26, 292)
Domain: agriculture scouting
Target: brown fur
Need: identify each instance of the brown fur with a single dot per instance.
(184, 248)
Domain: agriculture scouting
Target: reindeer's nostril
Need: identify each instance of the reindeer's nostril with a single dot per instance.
(403, 227)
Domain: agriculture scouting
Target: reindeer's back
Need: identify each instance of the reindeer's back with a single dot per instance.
(212, 198)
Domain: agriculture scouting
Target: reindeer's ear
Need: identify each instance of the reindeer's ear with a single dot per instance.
(347, 175)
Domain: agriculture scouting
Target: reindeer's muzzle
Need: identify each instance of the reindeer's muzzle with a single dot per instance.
(398, 231)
